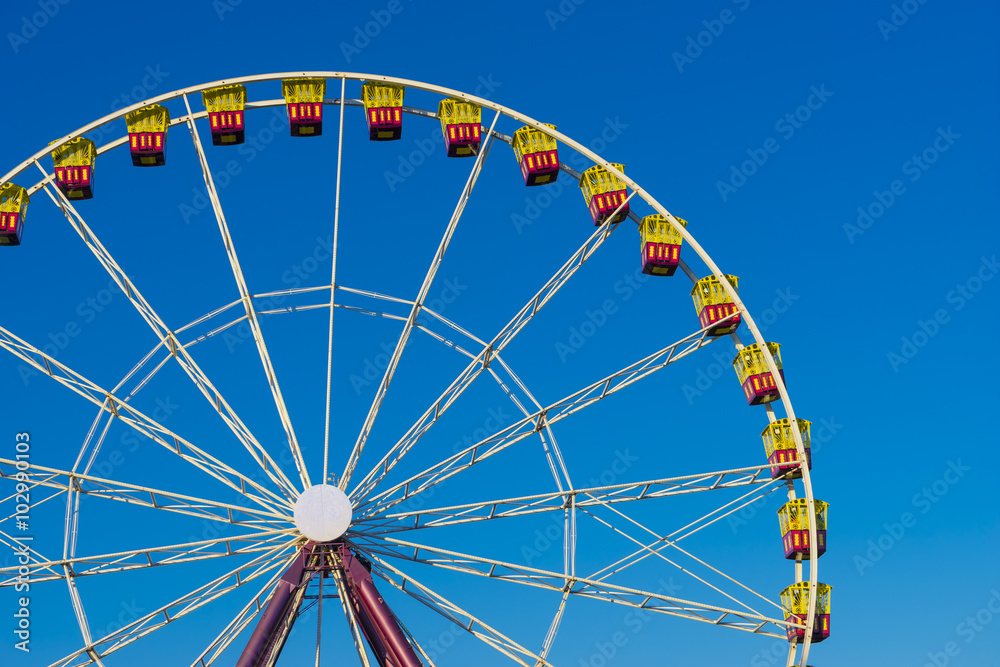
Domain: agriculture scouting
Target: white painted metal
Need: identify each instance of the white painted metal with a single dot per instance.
(378, 522)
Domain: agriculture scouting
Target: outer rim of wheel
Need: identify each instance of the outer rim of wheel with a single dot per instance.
(580, 148)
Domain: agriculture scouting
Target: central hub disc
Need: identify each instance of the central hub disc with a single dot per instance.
(323, 513)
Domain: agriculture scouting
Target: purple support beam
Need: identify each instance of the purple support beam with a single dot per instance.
(269, 636)
(378, 623)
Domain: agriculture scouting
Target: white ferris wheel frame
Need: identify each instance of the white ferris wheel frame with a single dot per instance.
(274, 507)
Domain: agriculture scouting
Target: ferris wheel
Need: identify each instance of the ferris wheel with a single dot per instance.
(396, 524)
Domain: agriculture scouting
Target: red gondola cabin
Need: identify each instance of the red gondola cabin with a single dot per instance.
(13, 208)
(383, 110)
(537, 154)
(304, 99)
(794, 522)
(605, 194)
(460, 123)
(713, 305)
(226, 106)
(758, 383)
(661, 245)
(795, 602)
(147, 135)
(779, 445)
(74, 168)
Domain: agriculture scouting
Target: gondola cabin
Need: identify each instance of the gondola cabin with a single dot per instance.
(304, 99)
(13, 208)
(605, 194)
(460, 123)
(661, 245)
(147, 135)
(537, 154)
(74, 168)
(779, 445)
(794, 519)
(226, 106)
(758, 383)
(795, 602)
(383, 110)
(714, 306)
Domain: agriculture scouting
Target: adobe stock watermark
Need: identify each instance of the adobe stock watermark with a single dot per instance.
(635, 620)
(714, 28)
(563, 11)
(254, 144)
(915, 167)
(58, 340)
(409, 162)
(33, 23)
(786, 126)
(543, 540)
(223, 7)
(495, 419)
(363, 35)
(545, 195)
(959, 297)
(900, 14)
(578, 334)
(722, 365)
(924, 501)
(967, 630)
(294, 276)
(149, 82)
(372, 369)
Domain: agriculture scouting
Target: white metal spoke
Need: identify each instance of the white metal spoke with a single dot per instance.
(674, 545)
(671, 539)
(177, 609)
(258, 336)
(415, 310)
(144, 496)
(138, 559)
(169, 341)
(138, 421)
(333, 291)
(475, 626)
(580, 586)
(481, 362)
(659, 554)
(557, 500)
(539, 420)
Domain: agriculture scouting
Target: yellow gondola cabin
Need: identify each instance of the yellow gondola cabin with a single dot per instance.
(74, 168)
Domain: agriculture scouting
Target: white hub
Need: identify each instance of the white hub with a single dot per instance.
(323, 513)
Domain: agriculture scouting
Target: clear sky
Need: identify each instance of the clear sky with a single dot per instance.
(839, 159)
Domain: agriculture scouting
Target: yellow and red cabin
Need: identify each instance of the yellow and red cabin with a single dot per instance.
(795, 602)
(304, 99)
(147, 135)
(794, 519)
(460, 123)
(779, 444)
(226, 106)
(758, 383)
(661, 245)
(605, 194)
(383, 110)
(713, 304)
(538, 155)
(74, 168)
(13, 208)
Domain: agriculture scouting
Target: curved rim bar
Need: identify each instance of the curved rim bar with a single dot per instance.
(580, 148)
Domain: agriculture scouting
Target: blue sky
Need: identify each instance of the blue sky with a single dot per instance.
(839, 159)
